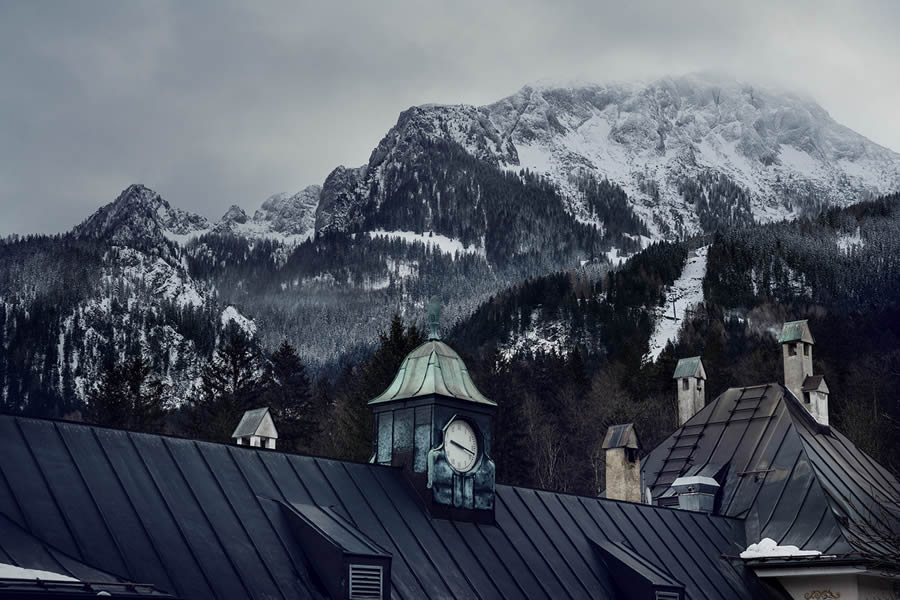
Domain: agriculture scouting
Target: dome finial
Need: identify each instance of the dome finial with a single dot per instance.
(434, 318)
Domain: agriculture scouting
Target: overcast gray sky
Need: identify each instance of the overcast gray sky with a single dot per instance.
(214, 103)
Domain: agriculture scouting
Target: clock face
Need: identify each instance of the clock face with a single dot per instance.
(461, 445)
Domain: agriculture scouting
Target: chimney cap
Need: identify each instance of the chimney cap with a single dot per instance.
(689, 367)
(796, 331)
(621, 436)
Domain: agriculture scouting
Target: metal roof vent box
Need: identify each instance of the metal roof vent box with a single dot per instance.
(348, 564)
(697, 493)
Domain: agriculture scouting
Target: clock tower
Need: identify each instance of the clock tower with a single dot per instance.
(434, 424)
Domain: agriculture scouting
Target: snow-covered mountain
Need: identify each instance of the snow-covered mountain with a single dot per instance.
(285, 217)
(778, 152)
(140, 216)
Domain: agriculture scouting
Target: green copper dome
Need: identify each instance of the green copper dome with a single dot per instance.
(433, 368)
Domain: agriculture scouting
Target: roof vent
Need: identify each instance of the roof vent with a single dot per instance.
(667, 596)
(366, 582)
(697, 493)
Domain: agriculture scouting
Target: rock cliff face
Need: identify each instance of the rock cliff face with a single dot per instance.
(139, 216)
(782, 152)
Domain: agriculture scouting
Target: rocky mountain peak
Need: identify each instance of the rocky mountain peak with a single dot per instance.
(139, 216)
(290, 214)
(234, 214)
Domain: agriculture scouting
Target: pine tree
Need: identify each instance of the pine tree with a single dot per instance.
(128, 397)
(289, 397)
(229, 386)
(107, 402)
(353, 417)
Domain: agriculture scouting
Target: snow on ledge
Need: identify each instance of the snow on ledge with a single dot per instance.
(233, 314)
(768, 548)
(14, 572)
(441, 242)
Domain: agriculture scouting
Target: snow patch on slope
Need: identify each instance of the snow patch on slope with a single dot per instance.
(437, 241)
(846, 242)
(685, 292)
(233, 314)
(540, 337)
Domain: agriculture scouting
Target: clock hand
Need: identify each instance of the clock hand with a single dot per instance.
(458, 445)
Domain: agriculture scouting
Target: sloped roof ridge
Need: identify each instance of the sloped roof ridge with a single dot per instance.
(822, 460)
(346, 461)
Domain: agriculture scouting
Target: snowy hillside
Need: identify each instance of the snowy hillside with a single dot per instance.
(685, 293)
(783, 149)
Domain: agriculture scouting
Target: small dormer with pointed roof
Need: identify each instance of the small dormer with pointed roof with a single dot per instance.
(437, 426)
(690, 377)
(256, 429)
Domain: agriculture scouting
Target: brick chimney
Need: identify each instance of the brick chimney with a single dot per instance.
(690, 377)
(623, 465)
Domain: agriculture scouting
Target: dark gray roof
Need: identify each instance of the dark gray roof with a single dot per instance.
(621, 436)
(795, 331)
(632, 573)
(20, 548)
(689, 367)
(207, 520)
(790, 478)
(812, 382)
(433, 368)
(250, 422)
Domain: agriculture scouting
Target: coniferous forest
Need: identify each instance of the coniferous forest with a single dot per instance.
(129, 357)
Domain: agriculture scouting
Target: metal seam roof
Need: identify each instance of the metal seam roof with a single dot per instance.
(432, 368)
(821, 470)
(224, 537)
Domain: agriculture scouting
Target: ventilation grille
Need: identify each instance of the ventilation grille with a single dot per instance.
(365, 582)
(668, 596)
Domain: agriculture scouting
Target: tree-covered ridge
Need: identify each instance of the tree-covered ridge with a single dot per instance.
(719, 202)
(846, 260)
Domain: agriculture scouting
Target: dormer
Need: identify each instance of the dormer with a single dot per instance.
(349, 565)
(256, 429)
(690, 377)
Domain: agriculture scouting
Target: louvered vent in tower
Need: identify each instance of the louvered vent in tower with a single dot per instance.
(366, 582)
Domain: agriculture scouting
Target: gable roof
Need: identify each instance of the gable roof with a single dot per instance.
(433, 368)
(814, 383)
(796, 331)
(791, 479)
(621, 436)
(689, 367)
(250, 422)
(205, 520)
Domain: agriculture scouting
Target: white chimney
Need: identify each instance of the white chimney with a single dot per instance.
(623, 464)
(797, 351)
(690, 377)
(256, 429)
